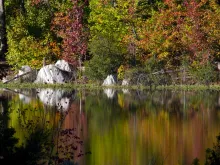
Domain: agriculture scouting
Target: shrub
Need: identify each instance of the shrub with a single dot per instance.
(203, 74)
(107, 57)
(121, 72)
(99, 67)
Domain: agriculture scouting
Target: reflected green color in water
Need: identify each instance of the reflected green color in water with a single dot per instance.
(157, 127)
(120, 127)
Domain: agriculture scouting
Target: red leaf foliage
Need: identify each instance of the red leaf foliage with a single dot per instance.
(69, 26)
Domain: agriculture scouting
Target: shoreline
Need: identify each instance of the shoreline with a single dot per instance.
(215, 87)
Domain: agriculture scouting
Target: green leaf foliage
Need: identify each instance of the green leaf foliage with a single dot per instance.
(106, 58)
(29, 36)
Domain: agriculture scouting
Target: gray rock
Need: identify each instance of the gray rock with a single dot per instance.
(24, 69)
(29, 77)
(110, 80)
(4, 79)
(50, 74)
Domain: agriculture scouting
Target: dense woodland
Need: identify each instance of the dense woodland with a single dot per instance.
(113, 36)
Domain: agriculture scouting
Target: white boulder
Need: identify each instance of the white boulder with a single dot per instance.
(50, 74)
(125, 82)
(110, 80)
(64, 66)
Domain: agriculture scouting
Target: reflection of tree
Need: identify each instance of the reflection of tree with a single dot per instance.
(45, 142)
(34, 152)
(31, 153)
(151, 127)
(7, 141)
(74, 127)
(41, 132)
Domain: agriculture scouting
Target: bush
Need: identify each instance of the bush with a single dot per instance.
(99, 67)
(107, 57)
(146, 77)
(136, 76)
(121, 72)
(139, 76)
(203, 74)
(152, 65)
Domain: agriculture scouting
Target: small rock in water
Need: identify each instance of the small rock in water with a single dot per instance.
(125, 82)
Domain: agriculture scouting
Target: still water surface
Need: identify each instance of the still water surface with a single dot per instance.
(107, 127)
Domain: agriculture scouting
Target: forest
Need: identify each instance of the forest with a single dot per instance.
(121, 37)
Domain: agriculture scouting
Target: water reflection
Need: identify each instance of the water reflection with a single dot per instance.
(34, 132)
(24, 99)
(142, 127)
(125, 91)
(56, 98)
(110, 93)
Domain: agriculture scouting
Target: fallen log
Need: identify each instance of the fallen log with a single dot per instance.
(16, 77)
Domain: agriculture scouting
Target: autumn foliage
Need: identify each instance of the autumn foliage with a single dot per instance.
(180, 31)
(118, 33)
(69, 26)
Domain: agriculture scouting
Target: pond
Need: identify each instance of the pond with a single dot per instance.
(107, 127)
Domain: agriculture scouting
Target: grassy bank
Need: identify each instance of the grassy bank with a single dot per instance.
(95, 86)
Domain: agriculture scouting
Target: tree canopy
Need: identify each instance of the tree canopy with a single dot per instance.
(112, 33)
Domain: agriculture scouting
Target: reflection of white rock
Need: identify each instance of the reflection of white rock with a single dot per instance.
(54, 98)
(110, 80)
(51, 74)
(24, 99)
(109, 92)
(63, 104)
(125, 91)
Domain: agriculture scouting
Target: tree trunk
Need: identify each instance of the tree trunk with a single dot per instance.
(3, 39)
(22, 6)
